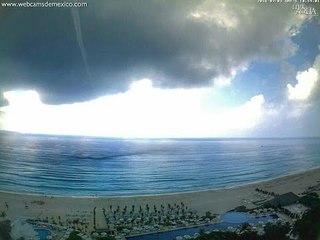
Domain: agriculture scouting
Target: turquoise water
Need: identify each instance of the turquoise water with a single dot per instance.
(234, 219)
(43, 233)
(95, 166)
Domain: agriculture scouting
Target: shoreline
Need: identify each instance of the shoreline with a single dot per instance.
(168, 193)
(216, 201)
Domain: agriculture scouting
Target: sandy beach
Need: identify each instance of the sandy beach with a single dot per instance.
(216, 201)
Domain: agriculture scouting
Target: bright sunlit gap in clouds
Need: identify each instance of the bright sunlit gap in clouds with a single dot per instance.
(142, 111)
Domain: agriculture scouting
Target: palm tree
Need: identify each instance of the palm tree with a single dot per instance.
(147, 207)
(76, 222)
(3, 214)
(82, 225)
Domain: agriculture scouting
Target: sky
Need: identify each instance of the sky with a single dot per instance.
(181, 68)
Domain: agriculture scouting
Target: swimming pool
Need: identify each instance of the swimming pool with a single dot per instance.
(230, 219)
(43, 233)
(235, 217)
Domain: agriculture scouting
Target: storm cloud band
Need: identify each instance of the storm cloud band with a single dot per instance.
(73, 55)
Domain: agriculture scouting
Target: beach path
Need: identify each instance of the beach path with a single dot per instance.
(100, 219)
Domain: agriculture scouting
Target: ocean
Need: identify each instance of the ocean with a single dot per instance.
(85, 166)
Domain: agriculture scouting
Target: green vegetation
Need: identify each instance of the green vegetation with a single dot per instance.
(120, 228)
(74, 236)
(219, 236)
(3, 214)
(241, 208)
(308, 227)
(208, 215)
(249, 235)
(5, 229)
(276, 231)
(310, 200)
(105, 238)
(272, 232)
(94, 217)
(265, 192)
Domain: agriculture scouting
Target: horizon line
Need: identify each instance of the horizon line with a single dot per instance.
(155, 138)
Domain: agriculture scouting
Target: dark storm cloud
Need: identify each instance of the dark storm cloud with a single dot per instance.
(121, 41)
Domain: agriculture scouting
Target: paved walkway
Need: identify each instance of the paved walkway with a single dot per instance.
(100, 219)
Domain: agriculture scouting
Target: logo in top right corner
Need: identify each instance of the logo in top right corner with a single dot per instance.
(302, 9)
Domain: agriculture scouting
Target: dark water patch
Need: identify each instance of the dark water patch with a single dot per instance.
(85, 166)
